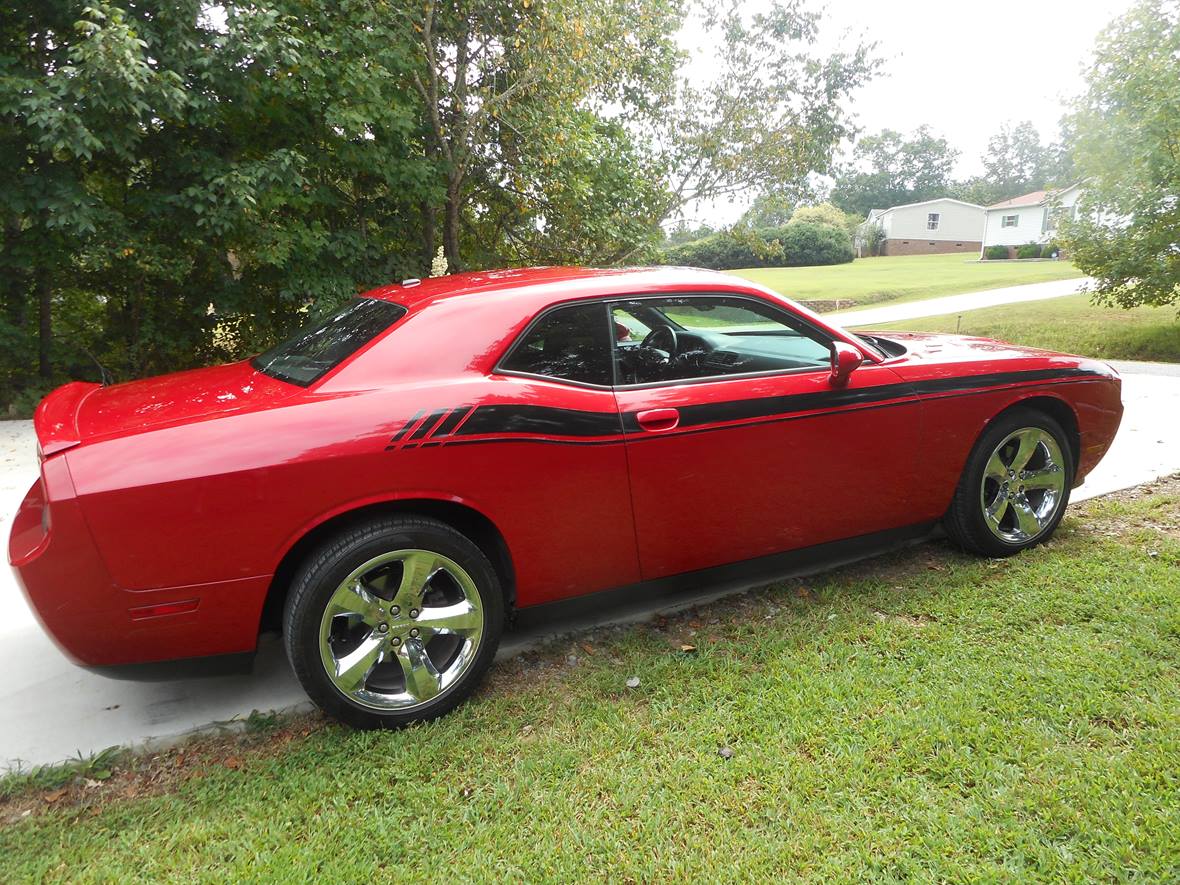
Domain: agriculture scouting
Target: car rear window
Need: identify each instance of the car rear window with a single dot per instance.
(317, 349)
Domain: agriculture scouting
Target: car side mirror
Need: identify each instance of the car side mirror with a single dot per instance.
(845, 360)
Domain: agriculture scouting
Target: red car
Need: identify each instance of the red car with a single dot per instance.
(393, 484)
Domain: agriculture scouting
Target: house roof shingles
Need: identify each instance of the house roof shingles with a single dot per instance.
(1024, 200)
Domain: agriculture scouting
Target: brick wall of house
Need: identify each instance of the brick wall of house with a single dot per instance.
(928, 247)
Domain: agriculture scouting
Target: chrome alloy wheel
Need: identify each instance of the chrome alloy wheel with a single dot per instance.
(401, 629)
(1023, 485)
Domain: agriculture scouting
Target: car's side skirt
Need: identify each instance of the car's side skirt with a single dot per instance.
(636, 601)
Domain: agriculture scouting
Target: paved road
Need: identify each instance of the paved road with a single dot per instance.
(890, 313)
(52, 710)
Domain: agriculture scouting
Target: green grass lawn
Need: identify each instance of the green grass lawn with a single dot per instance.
(905, 277)
(1070, 324)
(926, 716)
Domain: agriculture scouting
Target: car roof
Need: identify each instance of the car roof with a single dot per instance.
(585, 282)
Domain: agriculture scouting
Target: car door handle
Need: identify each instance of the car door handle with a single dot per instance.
(656, 420)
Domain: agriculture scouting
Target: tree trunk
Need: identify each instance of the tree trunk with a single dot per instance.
(451, 227)
(428, 234)
(44, 307)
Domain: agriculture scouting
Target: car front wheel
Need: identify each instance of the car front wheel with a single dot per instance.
(1015, 486)
(393, 622)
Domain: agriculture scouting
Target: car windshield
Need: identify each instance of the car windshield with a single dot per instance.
(317, 349)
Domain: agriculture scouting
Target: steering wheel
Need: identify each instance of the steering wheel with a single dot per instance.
(663, 338)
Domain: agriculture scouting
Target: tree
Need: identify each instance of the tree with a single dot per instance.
(1017, 162)
(157, 163)
(769, 209)
(76, 89)
(889, 169)
(182, 183)
(503, 87)
(772, 115)
(1127, 150)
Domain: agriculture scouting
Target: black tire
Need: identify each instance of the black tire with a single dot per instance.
(965, 521)
(321, 578)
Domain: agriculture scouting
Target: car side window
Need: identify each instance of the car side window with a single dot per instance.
(569, 343)
(685, 338)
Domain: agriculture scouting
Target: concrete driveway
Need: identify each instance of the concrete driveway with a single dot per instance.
(53, 711)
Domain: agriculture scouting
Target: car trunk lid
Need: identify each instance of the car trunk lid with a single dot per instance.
(81, 411)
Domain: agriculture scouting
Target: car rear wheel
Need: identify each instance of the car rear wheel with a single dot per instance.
(1015, 486)
(393, 622)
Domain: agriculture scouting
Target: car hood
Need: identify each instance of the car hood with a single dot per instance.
(928, 349)
(79, 411)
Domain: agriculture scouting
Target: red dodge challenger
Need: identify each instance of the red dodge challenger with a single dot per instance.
(393, 484)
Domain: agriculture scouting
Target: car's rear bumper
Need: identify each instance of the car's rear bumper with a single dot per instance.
(97, 623)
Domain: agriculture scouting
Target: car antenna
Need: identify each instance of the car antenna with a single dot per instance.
(103, 373)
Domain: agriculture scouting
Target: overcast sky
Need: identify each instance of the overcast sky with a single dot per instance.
(963, 68)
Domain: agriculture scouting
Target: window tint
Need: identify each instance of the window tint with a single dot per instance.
(322, 346)
(710, 336)
(571, 343)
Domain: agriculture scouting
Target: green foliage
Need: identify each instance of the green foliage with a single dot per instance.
(1017, 162)
(797, 244)
(722, 251)
(773, 112)
(179, 183)
(1028, 250)
(889, 169)
(1127, 135)
(806, 244)
(994, 253)
(95, 767)
(872, 238)
(822, 213)
(769, 209)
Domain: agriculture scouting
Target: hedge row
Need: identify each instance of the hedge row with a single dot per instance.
(1027, 250)
(790, 245)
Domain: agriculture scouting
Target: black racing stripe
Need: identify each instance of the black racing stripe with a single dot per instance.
(591, 427)
(511, 418)
(424, 427)
(406, 429)
(765, 407)
(996, 379)
(451, 422)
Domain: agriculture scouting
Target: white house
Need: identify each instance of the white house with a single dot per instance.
(940, 225)
(1031, 218)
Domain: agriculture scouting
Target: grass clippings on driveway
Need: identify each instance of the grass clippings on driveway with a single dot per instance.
(923, 716)
(901, 278)
(1071, 324)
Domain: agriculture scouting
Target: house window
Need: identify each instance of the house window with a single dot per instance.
(1009, 220)
(932, 221)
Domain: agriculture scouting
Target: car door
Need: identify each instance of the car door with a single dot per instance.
(738, 444)
(555, 449)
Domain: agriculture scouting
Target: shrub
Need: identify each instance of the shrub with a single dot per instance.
(1028, 250)
(724, 250)
(792, 245)
(1050, 250)
(994, 253)
(823, 213)
(805, 244)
